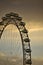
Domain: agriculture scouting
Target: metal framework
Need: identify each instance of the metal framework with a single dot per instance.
(13, 18)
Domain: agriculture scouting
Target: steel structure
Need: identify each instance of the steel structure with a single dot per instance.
(13, 18)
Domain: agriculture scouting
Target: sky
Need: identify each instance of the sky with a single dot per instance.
(32, 13)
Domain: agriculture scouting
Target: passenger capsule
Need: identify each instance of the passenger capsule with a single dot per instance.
(28, 61)
(4, 18)
(22, 23)
(1, 23)
(26, 40)
(24, 31)
(14, 14)
(27, 50)
(7, 15)
(19, 18)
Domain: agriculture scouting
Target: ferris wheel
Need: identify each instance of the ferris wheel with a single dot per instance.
(13, 18)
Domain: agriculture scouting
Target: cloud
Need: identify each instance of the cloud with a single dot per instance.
(8, 61)
(37, 62)
(2, 54)
(14, 60)
(31, 25)
(36, 34)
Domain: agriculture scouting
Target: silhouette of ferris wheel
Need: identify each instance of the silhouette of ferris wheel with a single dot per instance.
(13, 18)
